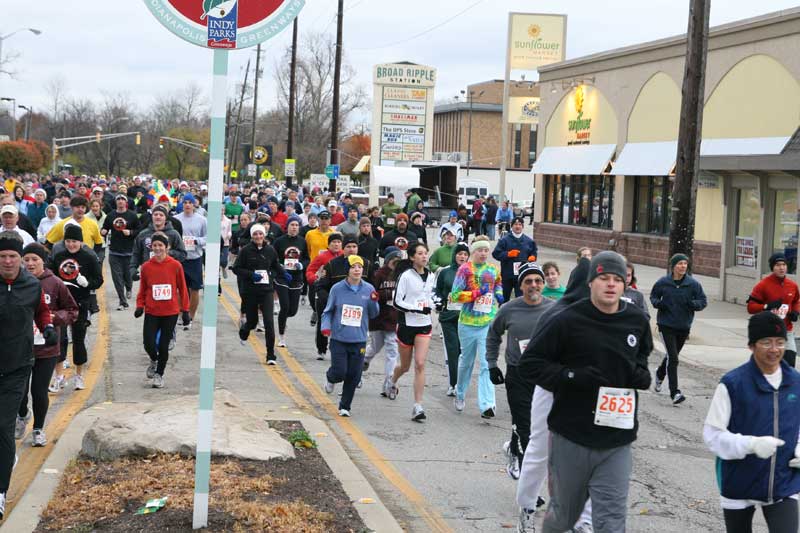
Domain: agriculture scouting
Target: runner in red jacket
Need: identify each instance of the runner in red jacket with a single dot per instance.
(162, 295)
(778, 294)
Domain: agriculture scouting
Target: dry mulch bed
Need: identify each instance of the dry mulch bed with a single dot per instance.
(300, 495)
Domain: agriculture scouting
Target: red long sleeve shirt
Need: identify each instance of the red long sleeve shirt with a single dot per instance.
(774, 288)
(162, 289)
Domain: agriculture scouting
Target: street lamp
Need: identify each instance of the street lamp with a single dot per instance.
(6, 36)
(29, 109)
(13, 115)
(469, 127)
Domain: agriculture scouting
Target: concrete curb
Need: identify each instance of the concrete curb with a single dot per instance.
(375, 515)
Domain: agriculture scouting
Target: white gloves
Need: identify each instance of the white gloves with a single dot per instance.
(765, 447)
(82, 281)
(795, 463)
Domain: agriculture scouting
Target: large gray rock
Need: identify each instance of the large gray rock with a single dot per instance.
(170, 426)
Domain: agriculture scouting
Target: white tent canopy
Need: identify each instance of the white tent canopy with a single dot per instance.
(588, 159)
(384, 176)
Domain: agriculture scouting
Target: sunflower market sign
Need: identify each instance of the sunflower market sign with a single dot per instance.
(228, 24)
(536, 40)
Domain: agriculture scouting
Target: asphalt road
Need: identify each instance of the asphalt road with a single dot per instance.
(449, 471)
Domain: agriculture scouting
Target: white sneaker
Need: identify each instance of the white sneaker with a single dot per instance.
(281, 342)
(21, 424)
(39, 438)
(158, 381)
(173, 340)
(329, 387)
(57, 384)
(584, 527)
(320, 357)
(451, 391)
(418, 413)
(526, 521)
(512, 463)
(151, 369)
(459, 403)
(65, 364)
(387, 386)
(79, 384)
(344, 413)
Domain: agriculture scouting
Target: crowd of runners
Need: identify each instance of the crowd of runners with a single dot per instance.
(574, 355)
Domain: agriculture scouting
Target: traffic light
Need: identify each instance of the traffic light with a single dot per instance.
(55, 152)
(97, 137)
(138, 139)
(205, 148)
(161, 143)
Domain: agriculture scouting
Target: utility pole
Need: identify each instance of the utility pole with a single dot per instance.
(292, 89)
(255, 105)
(684, 189)
(336, 80)
(235, 144)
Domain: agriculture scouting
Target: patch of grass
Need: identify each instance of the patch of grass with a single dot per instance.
(90, 492)
(300, 438)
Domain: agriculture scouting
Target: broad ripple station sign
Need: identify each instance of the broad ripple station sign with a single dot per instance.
(228, 24)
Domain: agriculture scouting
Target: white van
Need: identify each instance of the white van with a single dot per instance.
(469, 190)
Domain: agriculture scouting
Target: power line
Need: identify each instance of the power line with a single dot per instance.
(439, 25)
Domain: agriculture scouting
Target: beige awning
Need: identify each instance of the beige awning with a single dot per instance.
(362, 165)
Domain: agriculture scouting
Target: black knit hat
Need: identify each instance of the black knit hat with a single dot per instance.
(527, 269)
(73, 231)
(607, 262)
(775, 258)
(160, 237)
(765, 324)
(460, 247)
(36, 248)
(675, 259)
(10, 241)
(349, 240)
(334, 237)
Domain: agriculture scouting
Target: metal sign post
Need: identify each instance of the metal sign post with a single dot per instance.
(221, 27)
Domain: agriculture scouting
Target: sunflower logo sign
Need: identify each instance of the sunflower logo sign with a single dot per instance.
(534, 30)
(222, 22)
(579, 96)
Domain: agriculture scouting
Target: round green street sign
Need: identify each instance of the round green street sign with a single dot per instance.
(230, 24)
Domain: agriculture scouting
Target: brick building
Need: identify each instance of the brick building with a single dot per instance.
(451, 127)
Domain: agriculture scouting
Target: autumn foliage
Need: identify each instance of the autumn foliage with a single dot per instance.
(21, 156)
(356, 146)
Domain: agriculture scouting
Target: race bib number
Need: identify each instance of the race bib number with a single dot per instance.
(162, 291)
(483, 304)
(38, 338)
(235, 219)
(290, 263)
(351, 315)
(390, 222)
(264, 277)
(783, 310)
(152, 254)
(189, 244)
(523, 345)
(420, 304)
(517, 264)
(615, 408)
(454, 306)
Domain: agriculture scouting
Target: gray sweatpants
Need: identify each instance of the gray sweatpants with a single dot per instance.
(577, 472)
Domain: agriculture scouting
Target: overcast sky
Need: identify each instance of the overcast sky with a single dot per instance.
(117, 46)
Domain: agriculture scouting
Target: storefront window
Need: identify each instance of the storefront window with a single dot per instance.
(653, 204)
(580, 200)
(748, 222)
(787, 220)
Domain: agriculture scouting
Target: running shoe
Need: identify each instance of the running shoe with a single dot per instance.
(173, 339)
(79, 384)
(65, 364)
(344, 412)
(512, 463)
(459, 403)
(329, 387)
(360, 382)
(320, 357)
(302, 300)
(120, 307)
(658, 384)
(540, 502)
(2, 505)
(451, 391)
(313, 320)
(39, 438)
(489, 413)
(56, 384)
(128, 294)
(224, 273)
(260, 327)
(272, 360)
(678, 398)
(151, 369)
(188, 326)
(366, 366)
(387, 386)
(126, 305)
(22, 423)
(525, 524)
(393, 391)
(281, 341)
(158, 381)
(418, 413)
(584, 527)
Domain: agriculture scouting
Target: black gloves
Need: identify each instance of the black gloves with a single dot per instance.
(793, 316)
(773, 305)
(139, 312)
(496, 376)
(186, 318)
(426, 310)
(586, 377)
(50, 335)
(641, 379)
(135, 276)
